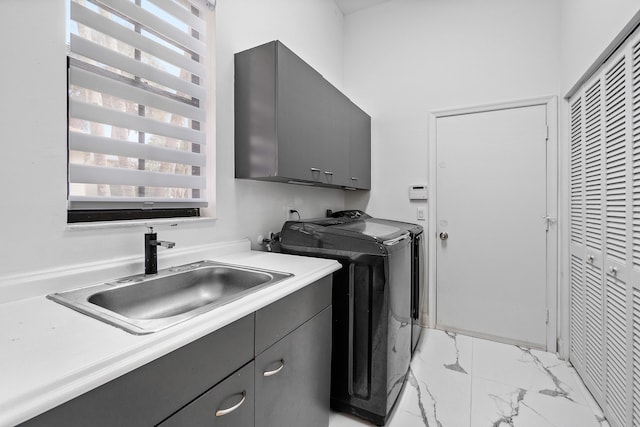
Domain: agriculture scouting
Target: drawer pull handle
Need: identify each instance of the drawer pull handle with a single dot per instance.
(328, 173)
(221, 412)
(315, 170)
(275, 371)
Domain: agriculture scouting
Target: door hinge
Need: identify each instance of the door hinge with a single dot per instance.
(547, 321)
(546, 133)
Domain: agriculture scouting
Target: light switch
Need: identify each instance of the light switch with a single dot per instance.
(422, 216)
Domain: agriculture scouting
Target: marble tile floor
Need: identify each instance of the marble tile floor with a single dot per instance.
(460, 381)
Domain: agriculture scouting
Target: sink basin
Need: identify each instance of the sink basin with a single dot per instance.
(144, 304)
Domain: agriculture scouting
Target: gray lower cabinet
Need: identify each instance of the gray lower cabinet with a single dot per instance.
(219, 379)
(292, 125)
(148, 395)
(292, 377)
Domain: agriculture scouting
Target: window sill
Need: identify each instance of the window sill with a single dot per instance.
(171, 222)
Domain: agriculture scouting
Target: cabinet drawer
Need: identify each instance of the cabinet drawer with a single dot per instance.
(151, 393)
(278, 319)
(235, 395)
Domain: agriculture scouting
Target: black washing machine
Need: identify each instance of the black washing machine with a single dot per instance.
(418, 266)
(371, 344)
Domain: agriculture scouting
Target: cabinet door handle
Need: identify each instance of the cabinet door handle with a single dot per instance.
(275, 371)
(328, 173)
(221, 412)
(315, 170)
(353, 178)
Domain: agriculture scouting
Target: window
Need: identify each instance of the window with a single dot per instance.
(137, 97)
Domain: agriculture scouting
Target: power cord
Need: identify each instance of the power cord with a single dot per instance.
(291, 211)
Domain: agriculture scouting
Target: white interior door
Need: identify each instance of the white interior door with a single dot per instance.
(491, 242)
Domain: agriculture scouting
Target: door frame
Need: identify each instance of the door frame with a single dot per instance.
(551, 103)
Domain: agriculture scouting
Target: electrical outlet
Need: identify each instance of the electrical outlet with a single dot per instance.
(288, 216)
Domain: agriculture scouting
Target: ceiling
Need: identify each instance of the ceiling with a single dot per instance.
(350, 6)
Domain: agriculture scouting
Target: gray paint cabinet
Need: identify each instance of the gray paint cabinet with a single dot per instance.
(360, 145)
(293, 337)
(297, 395)
(225, 371)
(293, 125)
(151, 393)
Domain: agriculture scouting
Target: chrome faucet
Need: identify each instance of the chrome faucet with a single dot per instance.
(151, 244)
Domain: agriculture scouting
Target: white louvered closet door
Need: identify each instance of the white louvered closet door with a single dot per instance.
(605, 234)
(578, 307)
(634, 242)
(617, 180)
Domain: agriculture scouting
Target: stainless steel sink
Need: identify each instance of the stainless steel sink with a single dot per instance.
(144, 304)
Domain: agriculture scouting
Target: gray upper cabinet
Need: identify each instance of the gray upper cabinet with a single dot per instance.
(360, 148)
(292, 125)
(335, 145)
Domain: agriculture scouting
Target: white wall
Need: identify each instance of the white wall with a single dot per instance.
(34, 233)
(406, 58)
(588, 26)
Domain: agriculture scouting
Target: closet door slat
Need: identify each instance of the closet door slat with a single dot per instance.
(576, 179)
(577, 315)
(616, 338)
(615, 142)
(593, 166)
(594, 328)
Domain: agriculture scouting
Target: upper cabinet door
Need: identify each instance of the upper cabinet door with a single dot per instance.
(301, 105)
(360, 148)
(336, 140)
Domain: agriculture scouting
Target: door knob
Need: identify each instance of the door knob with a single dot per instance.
(444, 235)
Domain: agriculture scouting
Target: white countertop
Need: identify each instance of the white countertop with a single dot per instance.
(50, 354)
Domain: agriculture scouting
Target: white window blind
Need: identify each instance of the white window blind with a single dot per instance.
(137, 97)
